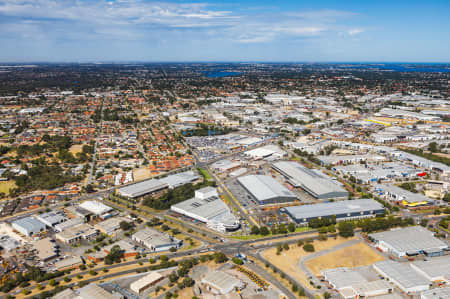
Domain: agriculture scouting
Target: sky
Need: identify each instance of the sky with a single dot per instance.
(272, 31)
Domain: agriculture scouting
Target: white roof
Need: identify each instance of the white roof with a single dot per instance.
(95, 207)
(265, 188)
(145, 281)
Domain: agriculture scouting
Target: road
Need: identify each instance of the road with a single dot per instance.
(94, 154)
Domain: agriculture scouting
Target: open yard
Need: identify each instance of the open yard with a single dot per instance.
(76, 148)
(355, 255)
(288, 260)
(5, 186)
(141, 174)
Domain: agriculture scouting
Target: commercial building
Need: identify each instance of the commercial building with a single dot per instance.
(180, 179)
(75, 234)
(28, 226)
(401, 275)
(342, 210)
(128, 249)
(52, 218)
(438, 293)
(110, 225)
(402, 196)
(46, 249)
(146, 282)
(69, 223)
(266, 190)
(266, 152)
(68, 263)
(155, 240)
(7, 243)
(142, 188)
(350, 159)
(434, 269)
(220, 283)
(409, 241)
(97, 208)
(93, 290)
(312, 181)
(208, 208)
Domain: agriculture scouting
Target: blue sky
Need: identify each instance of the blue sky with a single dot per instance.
(142, 30)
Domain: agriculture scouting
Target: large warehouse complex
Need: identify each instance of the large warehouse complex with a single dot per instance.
(208, 208)
(142, 188)
(343, 210)
(266, 190)
(312, 181)
(409, 241)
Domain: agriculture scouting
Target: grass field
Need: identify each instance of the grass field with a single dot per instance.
(76, 148)
(205, 174)
(355, 255)
(288, 260)
(5, 186)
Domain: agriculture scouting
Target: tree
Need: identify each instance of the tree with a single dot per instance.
(220, 257)
(308, 247)
(346, 229)
(326, 295)
(188, 282)
(291, 227)
(264, 231)
(255, 230)
(237, 261)
(125, 225)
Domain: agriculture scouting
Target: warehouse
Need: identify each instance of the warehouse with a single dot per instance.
(28, 226)
(97, 208)
(435, 269)
(52, 218)
(208, 208)
(403, 196)
(343, 210)
(221, 283)
(440, 293)
(145, 282)
(69, 223)
(142, 188)
(401, 275)
(76, 233)
(266, 190)
(109, 226)
(312, 181)
(349, 159)
(266, 152)
(409, 241)
(155, 240)
(180, 179)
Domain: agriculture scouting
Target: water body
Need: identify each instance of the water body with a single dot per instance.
(419, 67)
(220, 74)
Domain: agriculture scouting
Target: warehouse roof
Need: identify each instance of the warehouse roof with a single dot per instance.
(222, 281)
(30, 224)
(402, 193)
(436, 268)
(365, 288)
(438, 293)
(145, 281)
(313, 181)
(179, 179)
(209, 208)
(93, 291)
(343, 277)
(95, 207)
(53, 217)
(401, 273)
(154, 237)
(334, 208)
(142, 188)
(265, 188)
(410, 239)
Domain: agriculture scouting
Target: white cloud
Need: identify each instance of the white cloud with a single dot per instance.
(354, 32)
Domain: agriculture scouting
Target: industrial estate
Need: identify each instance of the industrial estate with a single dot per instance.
(259, 181)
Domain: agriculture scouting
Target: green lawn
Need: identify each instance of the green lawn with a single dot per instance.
(205, 174)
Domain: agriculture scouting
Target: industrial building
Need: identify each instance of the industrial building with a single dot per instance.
(313, 181)
(266, 190)
(409, 241)
(402, 276)
(46, 249)
(146, 282)
(69, 223)
(52, 218)
(75, 234)
(438, 293)
(109, 226)
(155, 240)
(349, 159)
(142, 188)
(221, 283)
(180, 179)
(28, 226)
(97, 208)
(69, 263)
(343, 210)
(402, 196)
(208, 208)
(351, 284)
(270, 151)
(434, 269)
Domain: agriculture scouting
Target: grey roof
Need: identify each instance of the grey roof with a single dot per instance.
(435, 268)
(439, 293)
(52, 217)
(210, 209)
(402, 194)
(179, 179)
(142, 188)
(410, 239)
(265, 188)
(30, 224)
(154, 237)
(401, 274)
(334, 208)
(313, 181)
(222, 281)
(367, 287)
(343, 277)
(93, 291)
